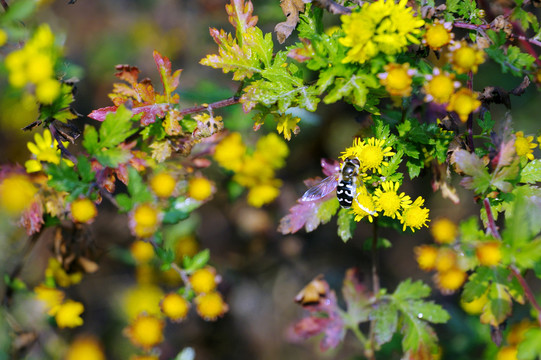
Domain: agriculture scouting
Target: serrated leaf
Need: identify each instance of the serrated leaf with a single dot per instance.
(418, 335)
(385, 318)
(522, 217)
(85, 169)
(428, 311)
(113, 157)
(353, 89)
(477, 284)
(90, 139)
(357, 298)
(169, 81)
(116, 128)
(240, 16)
(302, 214)
(137, 188)
(327, 210)
(346, 224)
(531, 173)
(499, 305)
(407, 290)
(472, 165)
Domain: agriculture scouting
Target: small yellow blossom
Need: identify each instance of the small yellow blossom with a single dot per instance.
(507, 353)
(83, 210)
(440, 86)
(142, 251)
(476, 306)
(445, 260)
(3, 37)
(444, 231)
(388, 200)
(260, 195)
(200, 188)
(203, 280)
(163, 184)
(45, 149)
(451, 280)
(465, 57)
(381, 26)
(61, 277)
(273, 150)
(39, 68)
(230, 152)
(175, 307)
(370, 152)
(438, 34)
(69, 314)
(363, 206)
(187, 245)
(489, 253)
(142, 298)
(52, 297)
(463, 102)
(415, 216)
(524, 145)
(145, 331)
(288, 124)
(397, 79)
(85, 347)
(16, 193)
(426, 256)
(210, 306)
(144, 220)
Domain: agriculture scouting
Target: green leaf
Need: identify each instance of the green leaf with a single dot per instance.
(65, 178)
(85, 169)
(137, 188)
(113, 157)
(90, 139)
(199, 260)
(116, 127)
(472, 165)
(327, 210)
(407, 290)
(18, 10)
(522, 217)
(486, 123)
(428, 311)
(477, 284)
(124, 202)
(531, 173)
(169, 81)
(499, 305)
(173, 216)
(346, 224)
(386, 321)
(167, 256)
(186, 354)
(530, 347)
(353, 89)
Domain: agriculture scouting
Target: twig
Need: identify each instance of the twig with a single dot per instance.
(215, 105)
(375, 286)
(4, 5)
(63, 150)
(527, 291)
(490, 219)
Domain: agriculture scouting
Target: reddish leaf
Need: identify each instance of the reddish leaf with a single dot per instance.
(170, 81)
(100, 114)
(240, 15)
(32, 218)
(330, 167)
(127, 73)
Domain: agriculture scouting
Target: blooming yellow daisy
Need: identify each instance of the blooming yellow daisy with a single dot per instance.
(463, 102)
(465, 57)
(415, 216)
(524, 145)
(388, 200)
(440, 86)
(438, 34)
(44, 150)
(397, 79)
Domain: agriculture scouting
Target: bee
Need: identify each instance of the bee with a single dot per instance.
(344, 181)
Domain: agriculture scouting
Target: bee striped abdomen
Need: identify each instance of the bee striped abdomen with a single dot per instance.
(344, 192)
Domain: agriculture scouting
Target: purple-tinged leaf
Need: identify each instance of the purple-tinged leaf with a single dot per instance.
(240, 15)
(101, 113)
(170, 81)
(330, 167)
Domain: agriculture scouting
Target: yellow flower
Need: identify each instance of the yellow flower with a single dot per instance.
(187, 245)
(273, 150)
(463, 102)
(83, 210)
(444, 231)
(476, 306)
(163, 184)
(229, 153)
(260, 195)
(144, 220)
(438, 34)
(516, 334)
(199, 188)
(16, 193)
(387, 199)
(3, 37)
(440, 86)
(397, 79)
(426, 257)
(61, 277)
(210, 306)
(203, 280)
(45, 149)
(68, 314)
(142, 251)
(39, 68)
(415, 216)
(146, 331)
(288, 124)
(142, 299)
(465, 58)
(507, 353)
(445, 260)
(370, 153)
(52, 297)
(363, 205)
(451, 280)
(85, 348)
(382, 26)
(524, 145)
(175, 307)
(48, 90)
(254, 171)
(489, 253)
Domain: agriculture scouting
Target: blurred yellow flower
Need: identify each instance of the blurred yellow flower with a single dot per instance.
(203, 280)
(144, 220)
(163, 184)
(397, 79)
(83, 210)
(463, 102)
(85, 347)
(16, 193)
(440, 86)
(476, 306)
(68, 314)
(465, 57)
(52, 297)
(175, 307)
(230, 151)
(444, 231)
(145, 331)
(451, 280)
(260, 195)
(489, 253)
(200, 188)
(426, 256)
(142, 251)
(210, 306)
(144, 298)
(438, 34)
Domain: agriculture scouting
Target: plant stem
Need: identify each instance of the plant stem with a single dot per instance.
(490, 218)
(375, 287)
(215, 105)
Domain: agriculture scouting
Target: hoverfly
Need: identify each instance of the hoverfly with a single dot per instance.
(344, 181)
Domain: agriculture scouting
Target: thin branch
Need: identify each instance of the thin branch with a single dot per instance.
(4, 5)
(527, 291)
(375, 286)
(63, 150)
(490, 219)
(215, 105)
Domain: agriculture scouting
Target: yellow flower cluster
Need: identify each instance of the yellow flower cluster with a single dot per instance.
(379, 27)
(382, 197)
(35, 64)
(254, 170)
(45, 149)
(67, 313)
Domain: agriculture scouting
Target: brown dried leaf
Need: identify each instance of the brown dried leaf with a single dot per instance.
(291, 9)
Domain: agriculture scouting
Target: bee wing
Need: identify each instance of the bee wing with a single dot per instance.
(321, 189)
